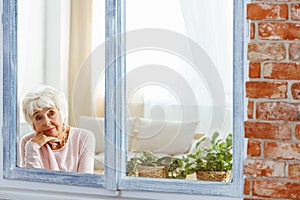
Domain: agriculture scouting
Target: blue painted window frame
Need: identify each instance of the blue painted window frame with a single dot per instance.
(114, 177)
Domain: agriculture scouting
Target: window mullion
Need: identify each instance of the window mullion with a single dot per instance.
(114, 89)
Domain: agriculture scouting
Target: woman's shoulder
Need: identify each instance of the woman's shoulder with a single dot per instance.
(81, 132)
(82, 135)
(27, 137)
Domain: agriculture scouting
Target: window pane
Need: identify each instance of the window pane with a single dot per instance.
(179, 85)
(57, 44)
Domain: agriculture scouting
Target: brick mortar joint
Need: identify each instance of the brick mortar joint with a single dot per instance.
(268, 100)
(268, 2)
(284, 179)
(272, 41)
(263, 141)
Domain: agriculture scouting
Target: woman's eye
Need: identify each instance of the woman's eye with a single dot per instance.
(37, 118)
(51, 113)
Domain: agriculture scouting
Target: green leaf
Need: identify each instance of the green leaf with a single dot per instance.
(216, 157)
(214, 137)
(200, 141)
(229, 140)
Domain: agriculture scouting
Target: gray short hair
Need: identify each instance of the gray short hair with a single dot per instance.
(44, 97)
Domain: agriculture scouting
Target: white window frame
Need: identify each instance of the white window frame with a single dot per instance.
(114, 178)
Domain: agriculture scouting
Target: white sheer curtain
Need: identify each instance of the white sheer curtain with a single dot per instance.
(80, 70)
(210, 25)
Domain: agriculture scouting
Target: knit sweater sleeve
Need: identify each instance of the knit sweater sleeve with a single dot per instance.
(33, 157)
(86, 162)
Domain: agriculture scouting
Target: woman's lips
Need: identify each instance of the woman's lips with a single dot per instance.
(49, 130)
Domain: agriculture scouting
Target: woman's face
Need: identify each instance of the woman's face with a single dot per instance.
(48, 121)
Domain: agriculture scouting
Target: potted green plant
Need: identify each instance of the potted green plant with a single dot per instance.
(213, 162)
(146, 164)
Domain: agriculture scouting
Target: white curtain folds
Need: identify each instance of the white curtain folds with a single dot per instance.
(210, 25)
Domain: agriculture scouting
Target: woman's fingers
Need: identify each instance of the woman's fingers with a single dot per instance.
(42, 139)
(52, 139)
(39, 139)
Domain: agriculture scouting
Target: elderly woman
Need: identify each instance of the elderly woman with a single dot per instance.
(54, 145)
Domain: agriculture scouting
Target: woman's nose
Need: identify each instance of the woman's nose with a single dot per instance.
(46, 121)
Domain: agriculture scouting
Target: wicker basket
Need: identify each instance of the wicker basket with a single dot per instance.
(223, 176)
(152, 171)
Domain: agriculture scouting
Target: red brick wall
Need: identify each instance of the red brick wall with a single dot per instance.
(272, 166)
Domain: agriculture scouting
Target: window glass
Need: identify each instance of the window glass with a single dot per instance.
(179, 69)
(57, 45)
(176, 90)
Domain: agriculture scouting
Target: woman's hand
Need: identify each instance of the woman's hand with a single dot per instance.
(42, 139)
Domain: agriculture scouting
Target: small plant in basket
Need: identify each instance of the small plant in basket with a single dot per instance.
(148, 165)
(213, 162)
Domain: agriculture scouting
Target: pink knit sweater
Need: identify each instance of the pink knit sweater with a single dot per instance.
(77, 155)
